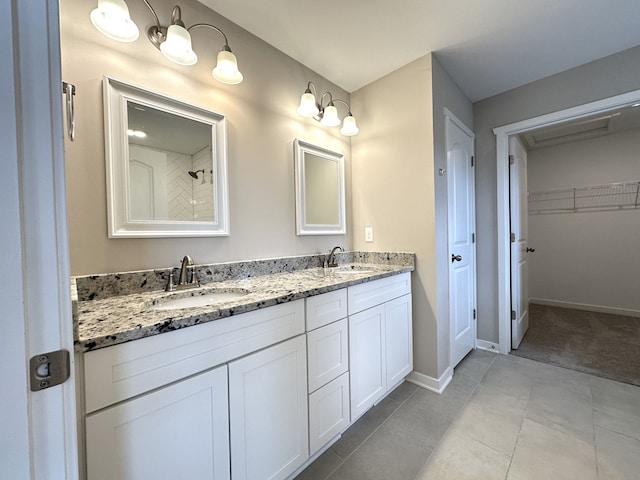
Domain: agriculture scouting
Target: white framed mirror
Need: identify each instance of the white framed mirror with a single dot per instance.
(166, 165)
(319, 185)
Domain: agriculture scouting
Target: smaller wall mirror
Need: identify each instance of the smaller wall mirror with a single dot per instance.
(166, 166)
(320, 203)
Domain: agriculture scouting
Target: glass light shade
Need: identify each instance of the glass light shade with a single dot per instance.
(112, 19)
(330, 117)
(177, 46)
(308, 107)
(226, 70)
(349, 127)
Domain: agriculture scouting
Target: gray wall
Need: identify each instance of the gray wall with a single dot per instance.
(262, 124)
(604, 78)
(397, 191)
(586, 259)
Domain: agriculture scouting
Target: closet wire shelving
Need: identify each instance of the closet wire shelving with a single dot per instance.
(611, 196)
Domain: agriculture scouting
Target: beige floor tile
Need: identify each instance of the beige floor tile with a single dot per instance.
(493, 418)
(616, 406)
(460, 457)
(545, 453)
(563, 406)
(618, 456)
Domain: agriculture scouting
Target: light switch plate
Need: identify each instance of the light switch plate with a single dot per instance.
(368, 234)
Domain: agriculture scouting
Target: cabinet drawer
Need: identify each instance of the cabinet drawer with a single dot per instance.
(123, 371)
(328, 349)
(367, 295)
(326, 308)
(328, 412)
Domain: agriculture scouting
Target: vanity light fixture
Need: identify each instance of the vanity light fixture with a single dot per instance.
(112, 19)
(327, 115)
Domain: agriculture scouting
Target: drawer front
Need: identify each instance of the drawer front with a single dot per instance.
(328, 349)
(326, 308)
(328, 412)
(123, 371)
(370, 294)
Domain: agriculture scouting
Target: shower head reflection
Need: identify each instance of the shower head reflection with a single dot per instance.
(195, 174)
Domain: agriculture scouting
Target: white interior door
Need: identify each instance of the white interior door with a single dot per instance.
(462, 254)
(148, 184)
(38, 438)
(519, 241)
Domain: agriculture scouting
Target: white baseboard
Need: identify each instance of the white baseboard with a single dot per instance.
(434, 384)
(587, 307)
(488, 346)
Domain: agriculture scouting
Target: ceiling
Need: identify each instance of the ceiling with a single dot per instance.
(600, 124)
(487, 46)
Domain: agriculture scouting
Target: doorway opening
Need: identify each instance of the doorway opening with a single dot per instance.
(503, 204)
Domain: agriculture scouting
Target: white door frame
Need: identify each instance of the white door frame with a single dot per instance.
(39, 438)
(502, 153)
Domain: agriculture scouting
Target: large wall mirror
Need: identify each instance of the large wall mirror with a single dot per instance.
(166, 165)
(320, 203)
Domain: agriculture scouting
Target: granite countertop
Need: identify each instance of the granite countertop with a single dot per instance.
(118, 319)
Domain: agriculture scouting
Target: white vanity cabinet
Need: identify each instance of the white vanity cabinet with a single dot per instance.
(380, 339)
(254, 396)
(159, 407)
(328, 358)
(268, 412)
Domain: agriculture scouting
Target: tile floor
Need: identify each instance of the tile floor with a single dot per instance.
(502, 417)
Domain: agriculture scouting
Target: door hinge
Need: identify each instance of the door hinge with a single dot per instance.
(49, 369)
(513, 314)
(473, 238)
(474, 313)
(473, 161)
(512, 159)
(513, 237)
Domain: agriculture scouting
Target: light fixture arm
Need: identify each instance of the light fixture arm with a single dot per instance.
(157, 33)
(344, 103)
(155, 15)
(315, 90)
(322, 99)
(226, 41)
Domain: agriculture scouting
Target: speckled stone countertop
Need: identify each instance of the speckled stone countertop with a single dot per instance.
(104, 319)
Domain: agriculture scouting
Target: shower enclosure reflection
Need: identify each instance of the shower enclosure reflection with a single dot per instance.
(163, 166)
(166, 165)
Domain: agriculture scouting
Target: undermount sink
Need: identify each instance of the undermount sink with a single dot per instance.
(351, 270)
(193, 299)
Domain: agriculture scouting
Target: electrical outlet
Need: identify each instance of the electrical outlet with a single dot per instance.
(368, 234)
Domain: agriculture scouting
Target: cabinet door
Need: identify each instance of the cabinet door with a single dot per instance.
(179, 431)
(328, 353)
(399, 339)
(268, 415)
(328, 412)
(366, 359)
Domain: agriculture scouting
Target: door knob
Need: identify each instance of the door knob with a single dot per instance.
(531, 249)
(456, 258)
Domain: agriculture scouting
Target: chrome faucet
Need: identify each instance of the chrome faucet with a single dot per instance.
(183, 281)
(331, 261)
(187, 262)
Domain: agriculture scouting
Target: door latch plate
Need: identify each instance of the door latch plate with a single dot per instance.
(49, 369)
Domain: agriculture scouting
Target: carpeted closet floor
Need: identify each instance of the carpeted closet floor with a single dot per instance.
(597, 343)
